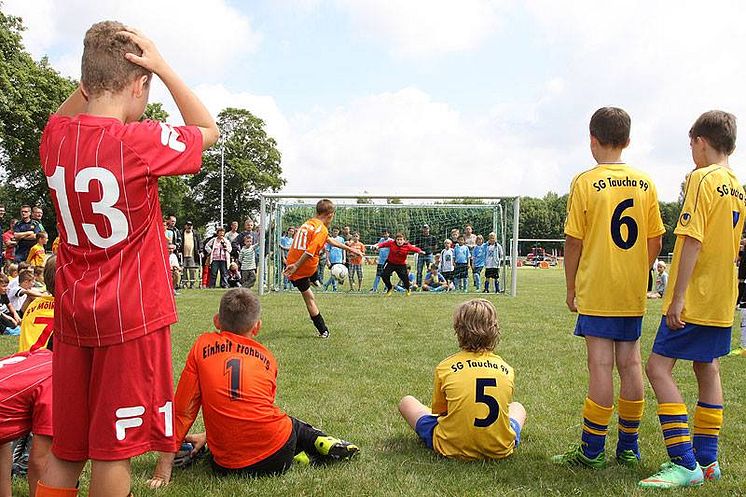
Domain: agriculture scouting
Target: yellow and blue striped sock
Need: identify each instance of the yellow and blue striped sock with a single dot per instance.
(708, 418)
(675, 424)
(630, 414)
(595, 427)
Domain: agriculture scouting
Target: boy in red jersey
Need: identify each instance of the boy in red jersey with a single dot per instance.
(233, 379)
(303, 258)
(25, 407)
(397, 261)
(112, 328)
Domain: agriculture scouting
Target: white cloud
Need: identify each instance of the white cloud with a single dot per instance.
(425, 27)
(202, 39)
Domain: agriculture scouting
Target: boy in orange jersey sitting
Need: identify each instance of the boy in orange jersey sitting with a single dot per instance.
(233, 378)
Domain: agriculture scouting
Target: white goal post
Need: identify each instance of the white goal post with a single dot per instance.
(369, 213)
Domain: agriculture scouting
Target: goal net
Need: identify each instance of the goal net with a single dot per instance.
(369, 216)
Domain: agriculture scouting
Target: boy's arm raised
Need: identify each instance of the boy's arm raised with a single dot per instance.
(74, 104)
(192, 110)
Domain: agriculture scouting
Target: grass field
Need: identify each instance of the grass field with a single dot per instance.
(381, 349)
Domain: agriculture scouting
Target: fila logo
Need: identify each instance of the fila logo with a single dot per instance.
(170, 137)
(128, 417)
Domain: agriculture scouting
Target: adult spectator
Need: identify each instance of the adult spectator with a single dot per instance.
(24, 231)
(191, 252)
(219, 249)
(36, 214)
(469, 237)
(429, 245)
(249, 230)
(176, 237)
(232, 237)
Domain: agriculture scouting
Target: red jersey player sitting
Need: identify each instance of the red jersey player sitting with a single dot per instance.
(111, 325)
(233, 378)
(397, 261)
(25, 407)
(303, 258)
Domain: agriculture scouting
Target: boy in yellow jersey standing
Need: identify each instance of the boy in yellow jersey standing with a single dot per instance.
(473, 415)
(698, 305)
(613, 234)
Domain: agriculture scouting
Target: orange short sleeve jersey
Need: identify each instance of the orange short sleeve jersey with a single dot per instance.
(309, 238)
(354, 259)
(234, 380)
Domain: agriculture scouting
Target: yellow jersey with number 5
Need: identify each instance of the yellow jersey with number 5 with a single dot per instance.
(713, 213)
(471, 396)
(614, 210)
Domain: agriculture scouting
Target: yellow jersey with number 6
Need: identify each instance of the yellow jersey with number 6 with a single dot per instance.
(471, 397)
(713, 213)
(614, 210)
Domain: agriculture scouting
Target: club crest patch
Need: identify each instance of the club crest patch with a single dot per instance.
(685, 218)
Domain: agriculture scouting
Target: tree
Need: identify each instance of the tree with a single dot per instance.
(252, 166)
(29, 92)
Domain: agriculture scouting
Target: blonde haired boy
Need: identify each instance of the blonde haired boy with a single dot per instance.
(473, 415)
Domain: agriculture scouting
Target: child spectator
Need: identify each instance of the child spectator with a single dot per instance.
(26, 407)
(447, 265)
(606, 269)
(397, 261)
(247, 433)
(661, 281)
(247, 262)
(115, 256)
(9, 319)
(455, 233)
(460, 424)
(492, 263)
(39, 279)
(234, 276)
(173, 262)
(23, 288)
(461, 256)
(383, 254)
(698, 308)
(434, 281)
(9, 242)
(478, 260)
(356, 262)
(37, 324)
(469, 237)
(412, 282)
(286, 241)
(37, 254)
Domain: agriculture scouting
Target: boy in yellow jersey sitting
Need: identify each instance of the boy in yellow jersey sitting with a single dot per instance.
(472, 415)
(37, 324)
(698, 305)
(613, 234)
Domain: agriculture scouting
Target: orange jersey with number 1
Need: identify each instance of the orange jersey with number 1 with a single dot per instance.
(234, 380)
(310, 238)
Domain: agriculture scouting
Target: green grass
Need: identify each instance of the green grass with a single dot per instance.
(381, 349)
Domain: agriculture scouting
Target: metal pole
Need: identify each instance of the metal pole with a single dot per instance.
(263, 262)
(514, 248)
(222, 183)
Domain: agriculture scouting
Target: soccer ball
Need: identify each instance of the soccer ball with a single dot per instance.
(339, 271)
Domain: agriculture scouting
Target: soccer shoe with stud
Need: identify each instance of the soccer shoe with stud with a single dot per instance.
(576, 457)
(335, 448)
(739, 352)
(712, 471)
(408, 293)
(324, 334)
(628, 458)
(671, 475)
(388, 293)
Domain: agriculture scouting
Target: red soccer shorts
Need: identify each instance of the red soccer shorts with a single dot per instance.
(112, 403)
(25, 406)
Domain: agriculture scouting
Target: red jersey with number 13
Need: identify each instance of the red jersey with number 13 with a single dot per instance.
(113, 278)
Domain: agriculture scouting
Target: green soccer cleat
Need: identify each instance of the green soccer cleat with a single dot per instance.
(671, 475)
(335, 449)
(302, 459)
(628, 458)
(739, 352)
(712, 471)
(576, 457)
(408, 293)
(389, 293)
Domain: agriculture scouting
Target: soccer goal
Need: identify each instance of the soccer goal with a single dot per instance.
(369, 215)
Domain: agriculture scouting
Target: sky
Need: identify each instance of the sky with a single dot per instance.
(437, 97)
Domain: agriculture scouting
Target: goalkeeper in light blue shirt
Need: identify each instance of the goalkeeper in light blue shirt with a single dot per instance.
(383, 254)
(478, 260)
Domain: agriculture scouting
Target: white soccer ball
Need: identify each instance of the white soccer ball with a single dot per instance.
(339, 271)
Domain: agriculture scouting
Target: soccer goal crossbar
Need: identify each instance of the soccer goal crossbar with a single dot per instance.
(369, 214)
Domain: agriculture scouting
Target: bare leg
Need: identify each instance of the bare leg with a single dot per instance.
(412, 410)
(37, 461)
(6, 465)
(518, 412)
(310, 301)
(62, 474)
(708, 381)
(110, 478)
(600, 368)
(659, 371)
(629, 365)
